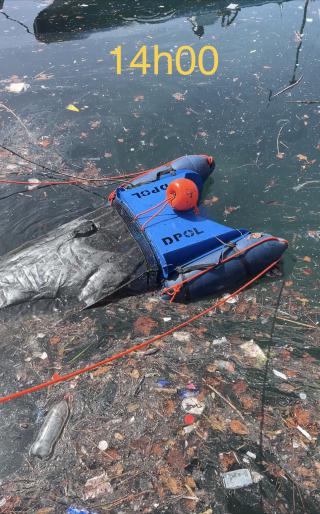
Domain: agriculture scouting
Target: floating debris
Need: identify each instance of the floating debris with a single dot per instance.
(254, 353)
(72, 108)
(237, 479)
(17, 87)
(103, 445)
(97, 486)
(193, 406)
(280, 374)
(50, 430)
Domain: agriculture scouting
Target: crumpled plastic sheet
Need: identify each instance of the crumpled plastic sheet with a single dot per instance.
(87, 259)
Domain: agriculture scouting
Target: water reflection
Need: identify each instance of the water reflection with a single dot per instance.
(66, 20)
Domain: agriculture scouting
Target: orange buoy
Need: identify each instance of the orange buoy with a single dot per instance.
(182, 194)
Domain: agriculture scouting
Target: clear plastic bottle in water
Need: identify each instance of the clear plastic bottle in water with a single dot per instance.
(51, 430)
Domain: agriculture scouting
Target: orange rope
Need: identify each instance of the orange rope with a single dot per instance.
(152, 208)
(63, 378)
(155, 214)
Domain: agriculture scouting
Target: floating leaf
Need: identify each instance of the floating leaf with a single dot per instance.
(229, 210)
(43, 76)
(238, 428)
(176, 459)
(179, 96)
(45, 142)
(144, 325)
(240, 387)
(170, 407)
(227, 460)
(95, 124)
(211, 201)
(55, 340)
(302, 416)
(135, 373)
(97, 486)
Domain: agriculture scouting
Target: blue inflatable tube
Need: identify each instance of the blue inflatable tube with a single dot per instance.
(207, 275)
(196, 256)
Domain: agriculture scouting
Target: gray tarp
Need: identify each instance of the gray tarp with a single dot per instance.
(87, 260)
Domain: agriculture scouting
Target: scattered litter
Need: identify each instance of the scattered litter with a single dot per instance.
(251, 455)
(305, 433)
(315, 234)
(163, 382)
(43, 356)
(237, 479)
(193, 406)
(279, 374)
(191, 386)
(167, 319)
(302, 396)
(73, 108)
(256, 477)
(188, 393)
(189, 428)
(97, 486)
(182, 336)
(233, 7)
(220, 340)
(232, 300)
(17, 87)
(254, 353)
(189, 419)
(221, 365)
(51, 430)
(103, 445)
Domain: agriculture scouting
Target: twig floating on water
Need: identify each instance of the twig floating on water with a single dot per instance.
(287, 88)
(281, 128)
(303, 101)
(224, 399)
(300, 186)
(3, 106)
(297, 322)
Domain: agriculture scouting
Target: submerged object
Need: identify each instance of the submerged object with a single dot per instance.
(51, 430)
(154, 234)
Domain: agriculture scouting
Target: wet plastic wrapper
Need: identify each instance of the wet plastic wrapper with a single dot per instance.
(50, 430)
(86, 260)
(237, 479)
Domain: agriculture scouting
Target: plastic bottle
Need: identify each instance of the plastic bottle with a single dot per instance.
(51, 430)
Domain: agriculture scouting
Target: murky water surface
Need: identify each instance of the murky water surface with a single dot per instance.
(61, 50)
(266, 145)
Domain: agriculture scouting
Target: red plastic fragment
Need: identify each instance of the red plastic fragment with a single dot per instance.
(189, 419)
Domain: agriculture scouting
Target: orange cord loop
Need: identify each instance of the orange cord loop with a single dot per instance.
(173, 291)
(112, 196)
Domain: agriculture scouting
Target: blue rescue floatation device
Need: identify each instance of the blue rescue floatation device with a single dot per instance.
(196, 256)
